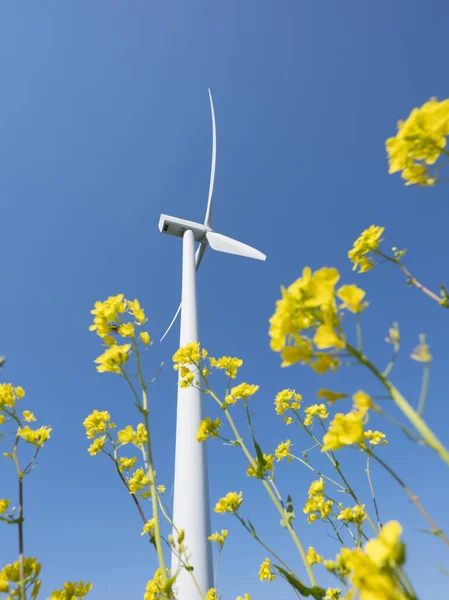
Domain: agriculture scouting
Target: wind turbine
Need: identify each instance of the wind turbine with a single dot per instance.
(191, 507)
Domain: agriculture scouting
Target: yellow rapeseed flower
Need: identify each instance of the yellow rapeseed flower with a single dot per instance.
(332, 594)
(3, 505)
(138, 482)
(211, 594)
(148, 528)
(28, 416)
(228, 364)
(387, 549)
(344, 430)
(375, 437)
(283, 450)
(265, 573)
(315, 410)
(161, 489)
(219, 538)
(96, 422)
(356, 514)
(420, 141)
(126, 463)
(37, 437)
(97, 445)
(329, 395)
(229, 503)
(326, 337)
(113, 358)
(352, 297)
(267, 466)
(126, 330)
(367, 242)
(362, 402)
(187, 355)
(208, 428)
(244, 390)
(145, 337)
(137, 312)
(312, 557)
(245, 597)
(287, 400)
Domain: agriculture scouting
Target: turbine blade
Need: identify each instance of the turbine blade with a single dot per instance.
(198, 258)
(222, 243)
(208, 219)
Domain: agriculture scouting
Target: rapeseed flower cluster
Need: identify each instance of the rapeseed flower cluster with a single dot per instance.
(372, 573)
(242, 391)
(72, 590)
(305, 327)
(317, 507)
(10, 578)
(265, 572)
(316, 410)
(287, 400)
(109, 322)
(344, 430)
(219, 538)
(229, 503)
(356, 514)
(419, 142)
(207, 429)
(283, 451)
(9, 395)
(367, 242)
(313, 557)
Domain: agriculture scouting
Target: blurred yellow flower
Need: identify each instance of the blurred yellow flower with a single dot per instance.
(145, 337)
(148, 527)
(362, 402)
(208, 428)
(229, 503)
(28, 416)
(375, 437)
(329, 395)
(421, 353)
(352, 297)
(3, 505)
(312, 557)
(126, 330)
(344, 430)
(356, 514)
(420, 141)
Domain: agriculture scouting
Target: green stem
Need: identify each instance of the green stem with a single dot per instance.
(20, 524)
(404, 406)
(371, 487)
(424, 388)
(270, 492)
(154, 502)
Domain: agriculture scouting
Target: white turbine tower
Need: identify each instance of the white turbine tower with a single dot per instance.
(191, 508)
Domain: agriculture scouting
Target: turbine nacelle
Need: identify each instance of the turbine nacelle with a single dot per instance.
(205, 235)
(177, 227)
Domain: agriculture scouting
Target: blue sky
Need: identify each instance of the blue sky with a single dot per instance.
(104, 124)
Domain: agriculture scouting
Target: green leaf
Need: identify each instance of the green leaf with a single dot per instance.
(290, 509)
(260, 460)
(252, 528)
(316, 592)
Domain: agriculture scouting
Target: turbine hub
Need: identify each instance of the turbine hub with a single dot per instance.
(177, 227)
